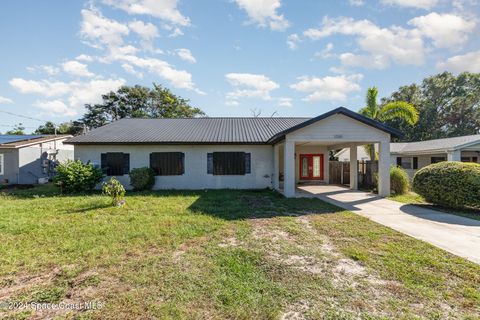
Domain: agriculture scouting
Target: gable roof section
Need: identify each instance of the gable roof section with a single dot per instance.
(341, 110)
(27, 140)
(207, 130)
(435, 145)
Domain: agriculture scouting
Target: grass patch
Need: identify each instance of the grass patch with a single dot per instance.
(220, 254)
(414, 198)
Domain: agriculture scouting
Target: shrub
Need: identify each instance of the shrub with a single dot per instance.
(115, 190)
(74, 176)
(399, 180)
(449, 184)
(142, 178)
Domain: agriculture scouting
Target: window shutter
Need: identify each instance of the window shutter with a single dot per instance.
(209, 163)
(415, 163)
(248, 160)
(399, 161)
(167, 163)
(103, 162)
(126, 163)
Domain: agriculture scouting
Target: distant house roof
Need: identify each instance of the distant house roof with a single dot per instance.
(435, 145)
(207, 130)
(19, 141)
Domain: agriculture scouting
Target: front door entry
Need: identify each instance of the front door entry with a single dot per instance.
(311, 166)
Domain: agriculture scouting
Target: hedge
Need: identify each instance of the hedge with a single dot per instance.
(449, 184)
(399, 180)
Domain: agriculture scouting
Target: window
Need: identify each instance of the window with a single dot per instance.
(115, 163)
(2, 164)
(167, 163)
(407, 162)
(437, 159)
(228, 163)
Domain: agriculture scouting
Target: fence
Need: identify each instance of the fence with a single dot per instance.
(340, 173)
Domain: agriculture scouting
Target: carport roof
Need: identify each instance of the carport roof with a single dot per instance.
(208, 130)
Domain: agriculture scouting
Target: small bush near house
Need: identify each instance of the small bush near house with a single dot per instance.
(74, 176)
(115, 190)
(449, 184)
(142, 178)
(399, 181)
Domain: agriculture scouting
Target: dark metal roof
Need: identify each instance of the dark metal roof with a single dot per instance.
(188, 131)
(206, 130)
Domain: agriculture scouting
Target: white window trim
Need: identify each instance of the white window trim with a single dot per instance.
(2, 164)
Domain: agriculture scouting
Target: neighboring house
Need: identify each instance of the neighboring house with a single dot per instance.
(415, 155)
(30, 159)
(202, 153)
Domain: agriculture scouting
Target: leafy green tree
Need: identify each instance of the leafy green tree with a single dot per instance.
(399, 110)
(72, 127)
(448, 105)
(138, 102)
(18, 129)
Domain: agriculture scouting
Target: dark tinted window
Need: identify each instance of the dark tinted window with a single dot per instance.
(228, 163)
(115, 163)
(167, 163)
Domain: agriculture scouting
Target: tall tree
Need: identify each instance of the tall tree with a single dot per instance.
(18, 129)
(398, 110)
(449, 106)
(138, 102)
(72, 127)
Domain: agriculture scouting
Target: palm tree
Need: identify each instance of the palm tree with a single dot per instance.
(390, 111)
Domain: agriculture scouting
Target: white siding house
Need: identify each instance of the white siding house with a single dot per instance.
(203, 153)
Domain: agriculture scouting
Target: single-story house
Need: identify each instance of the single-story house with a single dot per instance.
(30, 159)
(201, 153)
(415, 155)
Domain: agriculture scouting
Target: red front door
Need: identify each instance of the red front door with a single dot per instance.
(311, 166)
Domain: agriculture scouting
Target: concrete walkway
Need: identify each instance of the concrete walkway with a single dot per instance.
(455, 234)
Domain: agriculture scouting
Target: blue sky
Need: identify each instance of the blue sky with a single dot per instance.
(291, 58)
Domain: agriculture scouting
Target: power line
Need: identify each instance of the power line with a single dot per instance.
(22, 116)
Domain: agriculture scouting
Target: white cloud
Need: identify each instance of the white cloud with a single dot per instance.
(76, 68)
(99, 31)
(146, 31)
(264, 13)
(131, 70)
(163, 9)
(84, 57)
(49, 70)
(248, 85)
(293, 40)
(43, 87)
(178, 78)
(4, 100)
(467, 62)
(356, 3)
(55, 108)
(330, 88)
(421, 4)
(403, 46)
(285, 102)
(446, 30)
(186, 55)
(326, 52)
(372, 61)
(77, 93)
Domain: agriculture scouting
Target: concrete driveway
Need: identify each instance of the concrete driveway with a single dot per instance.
(455, 234)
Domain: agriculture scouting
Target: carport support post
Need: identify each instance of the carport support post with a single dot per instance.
(384, 169)
(289, 169)
(353, 167)
(454, 155)
(276, 167)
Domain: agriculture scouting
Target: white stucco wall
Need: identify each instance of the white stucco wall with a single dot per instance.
(195, 176)
(338, 128)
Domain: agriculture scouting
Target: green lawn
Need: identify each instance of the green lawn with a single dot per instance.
(413, 198)
(220, 254)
